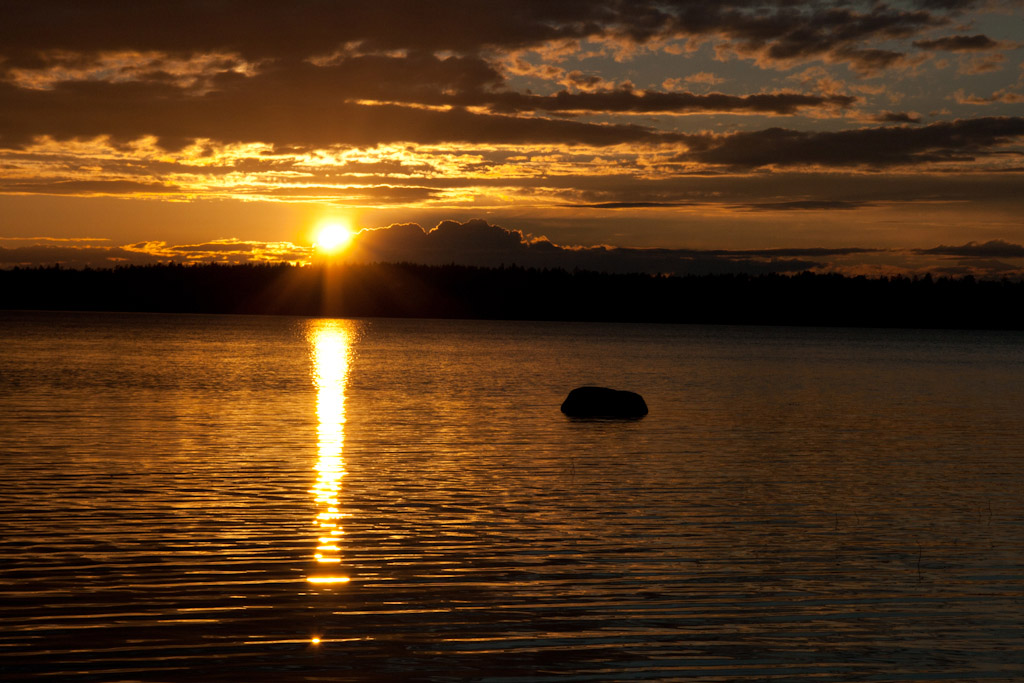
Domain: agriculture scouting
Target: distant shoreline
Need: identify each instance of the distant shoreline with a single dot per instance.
(515, 293)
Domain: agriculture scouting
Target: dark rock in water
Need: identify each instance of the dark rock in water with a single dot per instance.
(603, 402)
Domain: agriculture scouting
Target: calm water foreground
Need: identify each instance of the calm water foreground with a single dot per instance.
(243, 498)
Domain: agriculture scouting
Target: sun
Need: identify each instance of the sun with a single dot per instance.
(332, 237)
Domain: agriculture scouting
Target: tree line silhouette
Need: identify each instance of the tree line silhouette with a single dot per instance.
(515, 293)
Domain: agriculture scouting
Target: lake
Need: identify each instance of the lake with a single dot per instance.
(268, 498)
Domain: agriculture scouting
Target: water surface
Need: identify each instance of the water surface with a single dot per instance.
(248, 498)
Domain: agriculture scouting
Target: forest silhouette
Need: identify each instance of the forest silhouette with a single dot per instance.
(516, 293)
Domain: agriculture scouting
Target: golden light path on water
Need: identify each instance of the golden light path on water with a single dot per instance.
(331, 352)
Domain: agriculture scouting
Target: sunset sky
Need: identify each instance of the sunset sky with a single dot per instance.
(761, 135)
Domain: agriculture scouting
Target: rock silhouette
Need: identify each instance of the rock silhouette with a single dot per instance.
(604, 402)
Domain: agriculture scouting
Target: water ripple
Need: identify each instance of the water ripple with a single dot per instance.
(775, 516)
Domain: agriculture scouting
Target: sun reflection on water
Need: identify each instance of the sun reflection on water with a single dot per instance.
(331, 342)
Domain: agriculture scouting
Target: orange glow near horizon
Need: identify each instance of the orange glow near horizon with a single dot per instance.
(331, 351)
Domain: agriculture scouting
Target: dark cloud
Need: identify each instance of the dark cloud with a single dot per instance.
(385, 167)
(413, 78)
(317, 74)
(981, 64)
(663, 102)
(862, 189)
(869, 60)
(477, 243)
(958, 43)
(72, 256)
(313, 79)
(896, 117)
(356, 100)
(1005, 95)
(794, 32)
(260, 28)
(376, 194)
(817, 252)
(35, 33)
(990, 249)
(799, 205)
(988, 268)
(266, 28)
(959, 140)
(129, 111)
(804, 205)
(84, 187)
(627, 191)
(45, 253)
(215, 247)
(955, 5)
(633, 205)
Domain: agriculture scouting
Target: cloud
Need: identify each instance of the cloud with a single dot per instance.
(535, 180)
(980, 64)
(990, 259)
(623, 100)
(45, 240)
(84, 188)
(633, 205)
(988, 268)
(477, 243)
(196, 72)
(796, 205)
(130, 111)
(377, 195)
(73, 254)
(897, 117)
(704, 77)
(473, 243)
(385, 167)
(243, 37)
(510, 103)
(805, 205)
(990, 249)
(794, 33)
(264, 30)
(1003, 96)
(958, 43)
(960, 140)
(301, 28)
(355, 100)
